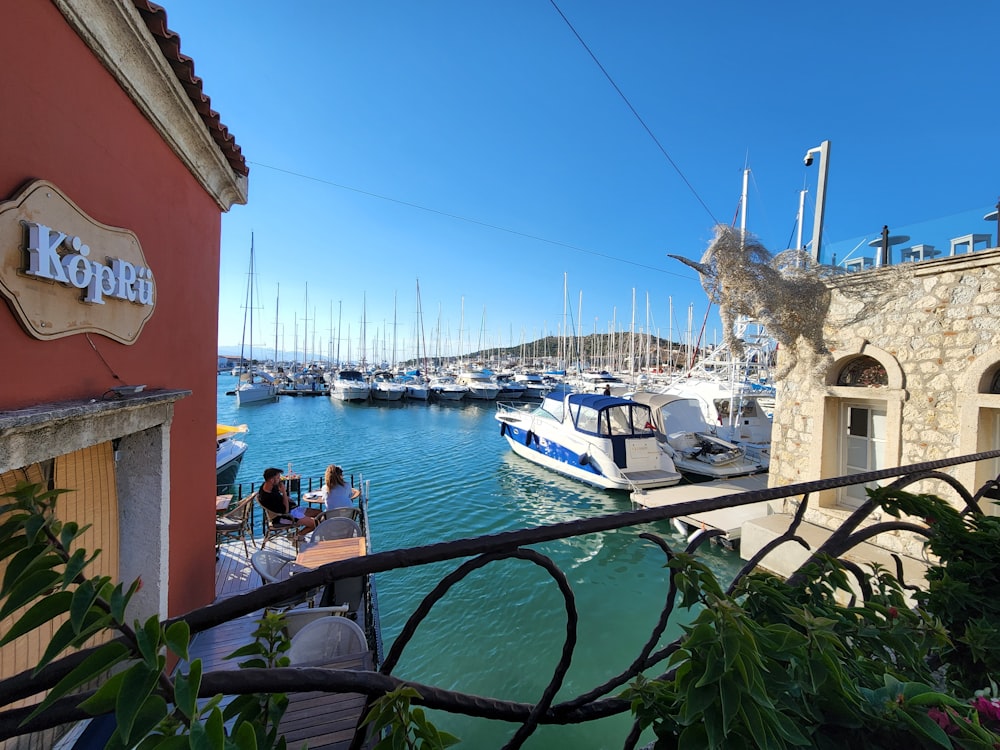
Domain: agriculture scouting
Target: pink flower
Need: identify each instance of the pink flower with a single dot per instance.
(942, 720)
(987, 709)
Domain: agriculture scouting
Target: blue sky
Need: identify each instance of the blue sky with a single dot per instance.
(478, 147)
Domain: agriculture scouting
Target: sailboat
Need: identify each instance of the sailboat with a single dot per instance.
(255, 387)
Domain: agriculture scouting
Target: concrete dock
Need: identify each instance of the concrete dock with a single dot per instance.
(728, 520)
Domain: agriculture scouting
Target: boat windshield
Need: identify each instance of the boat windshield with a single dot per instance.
(621, 420)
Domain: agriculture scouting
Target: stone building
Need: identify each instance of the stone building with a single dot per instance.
(914, 378)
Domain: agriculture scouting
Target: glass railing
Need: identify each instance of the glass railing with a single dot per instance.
(969, 231)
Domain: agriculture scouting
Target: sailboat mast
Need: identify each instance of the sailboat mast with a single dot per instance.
(277, 297)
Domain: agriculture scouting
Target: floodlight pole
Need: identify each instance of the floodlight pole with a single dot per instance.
(824, 164)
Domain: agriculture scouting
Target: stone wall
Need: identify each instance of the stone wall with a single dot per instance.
(935, 328)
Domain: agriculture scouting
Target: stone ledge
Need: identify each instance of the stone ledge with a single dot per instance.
(787, 558)
(60, 411)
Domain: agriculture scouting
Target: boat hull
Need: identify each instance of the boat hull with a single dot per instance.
(256, 393)
(579, 459)
(349, 392)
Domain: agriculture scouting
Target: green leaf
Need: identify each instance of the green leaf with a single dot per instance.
(715, 667)
(96, 664)
(28, 589)
(138, 684)
(29, 559)
(148, 638)
(65, 636)
(74, 566)
(186, 689)
(729, 698)
(103, 701)
(693, 737)
(152, 711)
(178, 637)
(83, 598)
(40, 613)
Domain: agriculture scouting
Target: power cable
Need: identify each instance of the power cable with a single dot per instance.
(466, 219)
(636, 113)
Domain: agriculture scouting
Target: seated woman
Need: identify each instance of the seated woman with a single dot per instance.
(274, 497)
(338, 493)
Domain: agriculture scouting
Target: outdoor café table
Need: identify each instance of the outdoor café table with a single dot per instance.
(222, 503)
(330, 550)
(317, 497)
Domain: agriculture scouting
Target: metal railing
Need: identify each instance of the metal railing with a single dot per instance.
(477, 552)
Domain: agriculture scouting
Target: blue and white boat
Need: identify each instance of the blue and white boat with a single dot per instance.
(605, 441)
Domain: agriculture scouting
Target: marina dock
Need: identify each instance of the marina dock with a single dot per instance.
(323, 720)
(728, 520)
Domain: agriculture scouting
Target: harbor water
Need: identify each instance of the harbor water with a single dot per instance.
(441, 471)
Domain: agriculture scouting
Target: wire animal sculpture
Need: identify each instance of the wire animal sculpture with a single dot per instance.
(784, 292)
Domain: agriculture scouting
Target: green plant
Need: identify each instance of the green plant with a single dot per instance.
(781, 666)
(408, 727)
(152, 708)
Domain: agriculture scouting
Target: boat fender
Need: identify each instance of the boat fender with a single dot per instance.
(584, 459)
(503, 429)
(527, 437)
(679, 526)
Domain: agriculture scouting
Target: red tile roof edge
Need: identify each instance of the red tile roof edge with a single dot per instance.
(155, 17)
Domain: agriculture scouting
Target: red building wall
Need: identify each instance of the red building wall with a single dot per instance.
(65, 119)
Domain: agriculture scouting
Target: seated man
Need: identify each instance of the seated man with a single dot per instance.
(274, 497)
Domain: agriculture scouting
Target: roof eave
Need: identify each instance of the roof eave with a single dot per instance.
(121, 40)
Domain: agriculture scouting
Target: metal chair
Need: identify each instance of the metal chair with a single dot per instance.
(274, 567)
(336, 528)
(274, 527)
(353, 513)
(236, 524)
(298, 618)
(325, 639)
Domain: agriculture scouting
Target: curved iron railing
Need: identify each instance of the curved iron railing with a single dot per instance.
(478, 552)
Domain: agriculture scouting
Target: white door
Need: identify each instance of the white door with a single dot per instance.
(862, 447)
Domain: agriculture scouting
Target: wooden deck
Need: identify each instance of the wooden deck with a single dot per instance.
(324, 721)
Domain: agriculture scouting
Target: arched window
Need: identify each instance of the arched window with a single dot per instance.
(866, 372)
(995, 382)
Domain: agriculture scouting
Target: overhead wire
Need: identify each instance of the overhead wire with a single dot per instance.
(635, 113)
(466, 219)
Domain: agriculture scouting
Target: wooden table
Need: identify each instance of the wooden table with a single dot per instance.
(222, 503)
(330, 550)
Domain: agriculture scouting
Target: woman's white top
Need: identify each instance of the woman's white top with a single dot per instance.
(338, 497)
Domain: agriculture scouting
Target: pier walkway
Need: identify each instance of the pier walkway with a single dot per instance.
(324, 721)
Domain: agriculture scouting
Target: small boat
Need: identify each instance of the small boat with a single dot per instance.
(692, 443)
(349, 385)
(510, 388)
(384, 389)
(255, 387)
(605, 441)
(228, 455)
(415, 386)
(600, 382)
(445, 388)
(534, 385)
(481, 384)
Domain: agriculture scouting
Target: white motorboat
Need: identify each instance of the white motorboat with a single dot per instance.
(605, 441)
(510, 388)
(534, 385)
(349, 385)
(481, 384)
(415, 386)
(693, 445)
(444, 388)
(600, 382)
(228, 455)
(383, 388)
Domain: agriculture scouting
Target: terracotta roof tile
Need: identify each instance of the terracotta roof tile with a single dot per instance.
(183, 66)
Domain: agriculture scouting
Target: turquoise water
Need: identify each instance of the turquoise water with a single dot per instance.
(440, 472)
